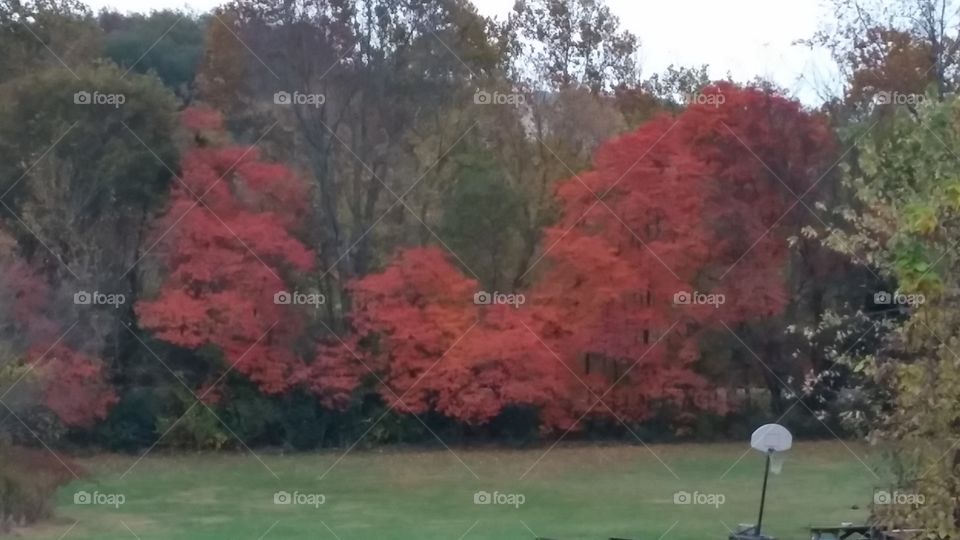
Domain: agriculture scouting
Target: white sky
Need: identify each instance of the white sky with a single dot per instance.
(746, 38)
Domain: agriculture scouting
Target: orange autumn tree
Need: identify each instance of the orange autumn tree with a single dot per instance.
(691, 232)
(229, 245)
(439, 351)
(607, 282)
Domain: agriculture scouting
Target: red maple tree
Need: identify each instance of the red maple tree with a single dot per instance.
(672, 213)
(229, 245)
(439, 350)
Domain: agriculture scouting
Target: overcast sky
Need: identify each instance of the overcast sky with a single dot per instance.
(746, 38)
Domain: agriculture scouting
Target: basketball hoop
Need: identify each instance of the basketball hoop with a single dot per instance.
(772, 440)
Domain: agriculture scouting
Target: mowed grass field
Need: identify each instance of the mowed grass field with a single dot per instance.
(575, 492)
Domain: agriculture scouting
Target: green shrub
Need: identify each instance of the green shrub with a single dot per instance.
(132, 422)
(197, 429)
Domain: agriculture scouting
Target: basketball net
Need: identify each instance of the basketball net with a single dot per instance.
(776, 462)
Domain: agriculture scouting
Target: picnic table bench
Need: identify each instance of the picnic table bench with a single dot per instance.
(841, 532)
(866, 532)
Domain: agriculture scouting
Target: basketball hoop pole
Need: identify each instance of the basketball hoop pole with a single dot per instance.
(763, 494)
(768, 438)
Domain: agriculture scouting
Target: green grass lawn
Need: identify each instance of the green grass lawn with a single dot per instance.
(570, 493)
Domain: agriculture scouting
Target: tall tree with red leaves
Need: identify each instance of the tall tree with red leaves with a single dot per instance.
(229, 244)
(699, 204)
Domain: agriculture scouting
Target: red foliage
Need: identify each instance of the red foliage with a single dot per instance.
(700, 206)
(763, 151)
(335, 373)
(199, 119)
(72, 384)
(226, 259)
(503, 363)
(439, 351)
(689, 207)
(420, 306)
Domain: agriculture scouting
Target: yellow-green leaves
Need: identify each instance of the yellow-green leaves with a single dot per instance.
(920, 218)
(952, 195)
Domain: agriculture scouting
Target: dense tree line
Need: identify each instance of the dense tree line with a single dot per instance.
(334, 222)
(200, 197)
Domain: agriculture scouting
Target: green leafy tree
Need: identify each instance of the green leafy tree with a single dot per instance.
(559, 43)
(167, 43)
(483, 221)
(675, 85)
(80, 174)
(45, 33)
(904, 223)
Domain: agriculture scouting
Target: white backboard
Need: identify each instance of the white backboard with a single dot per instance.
(771, 438)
